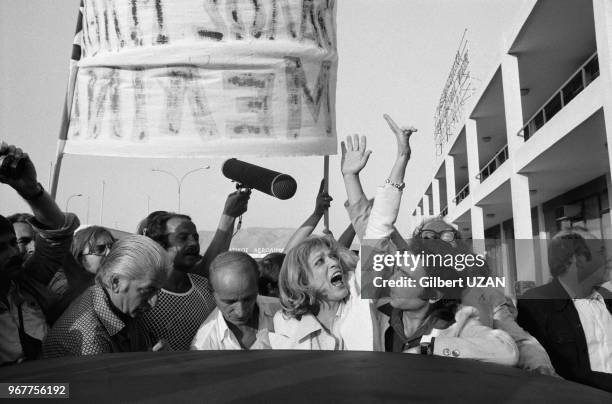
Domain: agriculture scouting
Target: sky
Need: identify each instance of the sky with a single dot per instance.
(394, 58)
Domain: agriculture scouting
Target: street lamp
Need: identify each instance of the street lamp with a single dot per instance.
(179, 181)
(88, 209)
(69, 198)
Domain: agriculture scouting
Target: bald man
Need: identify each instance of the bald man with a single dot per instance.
(242, 318)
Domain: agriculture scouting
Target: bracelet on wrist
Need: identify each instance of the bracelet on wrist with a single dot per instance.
(399, 187)
(35, 196)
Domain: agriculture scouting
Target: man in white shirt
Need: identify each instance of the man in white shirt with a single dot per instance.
(572, 315)
(242, 318)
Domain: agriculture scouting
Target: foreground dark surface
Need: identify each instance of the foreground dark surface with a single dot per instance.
(295, 376)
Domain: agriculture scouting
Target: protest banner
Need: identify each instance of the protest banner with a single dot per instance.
(194, 78)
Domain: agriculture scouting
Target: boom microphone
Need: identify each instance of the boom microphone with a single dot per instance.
(281, 186)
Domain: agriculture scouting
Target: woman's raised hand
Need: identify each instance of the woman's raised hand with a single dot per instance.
(354, 155)
(402, 136)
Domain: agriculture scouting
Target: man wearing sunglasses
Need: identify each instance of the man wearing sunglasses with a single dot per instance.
(24, 296)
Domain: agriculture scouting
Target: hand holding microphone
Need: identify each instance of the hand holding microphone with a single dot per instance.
(237, 202)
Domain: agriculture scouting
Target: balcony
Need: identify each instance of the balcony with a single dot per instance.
(462, 194)
(584, 76)
(493, 164)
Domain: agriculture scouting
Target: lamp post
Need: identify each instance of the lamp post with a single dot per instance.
(102, 202)
(88, 209)
(179, 181)
(69, 198)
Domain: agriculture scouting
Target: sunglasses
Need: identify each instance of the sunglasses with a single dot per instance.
(100, 250)
(445, 235)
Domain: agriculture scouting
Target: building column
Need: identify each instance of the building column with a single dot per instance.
(602, 10)
(523, 230)
(519, 183)
(476, 212)
(471, 142)
(477, 217)
(435, 196)
(505, 260)
(449, 165)
(426, 205)
(544, 274)
(512, 102)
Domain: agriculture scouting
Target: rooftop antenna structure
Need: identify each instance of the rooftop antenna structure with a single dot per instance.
(457, 90)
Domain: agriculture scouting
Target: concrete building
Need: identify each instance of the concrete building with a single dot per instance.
(532, 155)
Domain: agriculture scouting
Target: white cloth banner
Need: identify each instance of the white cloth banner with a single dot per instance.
(192, 78)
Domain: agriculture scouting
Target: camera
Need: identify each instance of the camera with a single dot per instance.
(11, 167)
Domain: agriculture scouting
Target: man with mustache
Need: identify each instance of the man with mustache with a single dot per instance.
(24, 296)
(186, 299)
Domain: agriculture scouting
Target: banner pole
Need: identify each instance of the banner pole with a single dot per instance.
(326, 189)
(67, 108)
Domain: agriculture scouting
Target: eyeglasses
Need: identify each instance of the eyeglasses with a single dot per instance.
(24, 240)
(101, 250)
(445, 235)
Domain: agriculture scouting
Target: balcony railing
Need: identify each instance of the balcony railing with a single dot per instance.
(584, 76)
(444, 211)
(493, 164)
(462, 194)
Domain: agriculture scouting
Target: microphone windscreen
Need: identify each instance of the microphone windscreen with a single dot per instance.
(278, 185)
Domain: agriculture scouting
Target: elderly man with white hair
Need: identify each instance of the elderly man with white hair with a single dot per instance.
(101, 320)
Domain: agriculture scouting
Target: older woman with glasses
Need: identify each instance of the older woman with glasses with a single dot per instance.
(423, 312)
(495, 309)
(89, 248)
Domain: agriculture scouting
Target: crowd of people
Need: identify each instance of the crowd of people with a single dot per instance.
(67, 293)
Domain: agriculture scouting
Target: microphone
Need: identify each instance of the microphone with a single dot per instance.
(278, 185)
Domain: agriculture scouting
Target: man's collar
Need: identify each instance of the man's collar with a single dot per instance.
(222, 327)
(102, 306)
(595, 295)
(259, 308)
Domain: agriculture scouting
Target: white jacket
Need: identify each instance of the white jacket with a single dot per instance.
(357, 326)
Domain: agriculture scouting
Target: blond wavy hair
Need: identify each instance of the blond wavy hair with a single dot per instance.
(297, 296)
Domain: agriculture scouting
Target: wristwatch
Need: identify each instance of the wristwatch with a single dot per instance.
(427, 345)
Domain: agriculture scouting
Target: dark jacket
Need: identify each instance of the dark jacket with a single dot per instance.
(548, 313)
